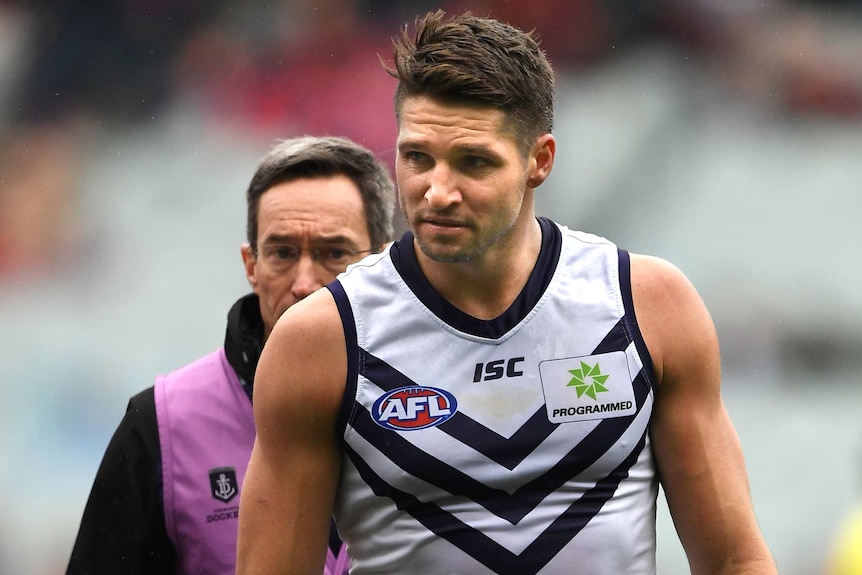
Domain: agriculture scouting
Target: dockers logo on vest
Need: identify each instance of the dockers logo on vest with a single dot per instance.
(585, 388)
(223, 484)
(413, 407)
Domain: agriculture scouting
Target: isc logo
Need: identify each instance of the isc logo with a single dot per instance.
(413, 407)
(495, 369)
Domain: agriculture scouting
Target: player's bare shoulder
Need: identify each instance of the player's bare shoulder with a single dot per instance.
(305, 355)
(314, 316)
(658, 283)
(310, 334)
(670, 312)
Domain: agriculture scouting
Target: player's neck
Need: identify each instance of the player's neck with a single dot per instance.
(485, 287)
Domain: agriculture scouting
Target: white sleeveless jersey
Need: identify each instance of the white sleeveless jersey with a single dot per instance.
(517, 445)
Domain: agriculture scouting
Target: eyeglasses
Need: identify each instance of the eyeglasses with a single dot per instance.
(282, 257)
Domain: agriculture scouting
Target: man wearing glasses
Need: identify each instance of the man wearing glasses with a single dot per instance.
(166, 496)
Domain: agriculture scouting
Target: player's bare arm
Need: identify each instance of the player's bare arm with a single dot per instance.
(698, 454)
(286, 502)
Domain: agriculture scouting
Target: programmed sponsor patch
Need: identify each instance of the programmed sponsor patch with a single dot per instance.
(587, 388)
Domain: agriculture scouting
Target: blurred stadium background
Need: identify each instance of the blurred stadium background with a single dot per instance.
(723, 135)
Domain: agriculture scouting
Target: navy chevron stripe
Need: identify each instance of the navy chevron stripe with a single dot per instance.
(506, 452)
(511, 507)
(485, 550)
(617, 339)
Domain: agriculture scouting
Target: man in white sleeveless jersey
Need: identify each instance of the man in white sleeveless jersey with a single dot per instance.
(495, 393)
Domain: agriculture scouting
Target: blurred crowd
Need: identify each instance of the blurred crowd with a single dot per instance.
(73, 71)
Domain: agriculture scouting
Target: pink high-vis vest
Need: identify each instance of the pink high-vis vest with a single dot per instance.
(206, 432)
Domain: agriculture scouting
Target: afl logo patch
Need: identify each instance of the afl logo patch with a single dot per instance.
(413, 407)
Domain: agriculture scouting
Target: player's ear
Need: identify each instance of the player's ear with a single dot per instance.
(541, 160)
(249, 259)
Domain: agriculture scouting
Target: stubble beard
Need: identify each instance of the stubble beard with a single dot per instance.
(459, 253)
(454, 253)
(443, 256)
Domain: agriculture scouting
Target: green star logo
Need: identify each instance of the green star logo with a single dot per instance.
(588, 380)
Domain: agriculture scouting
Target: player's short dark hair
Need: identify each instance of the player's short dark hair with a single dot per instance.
(472, 60)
